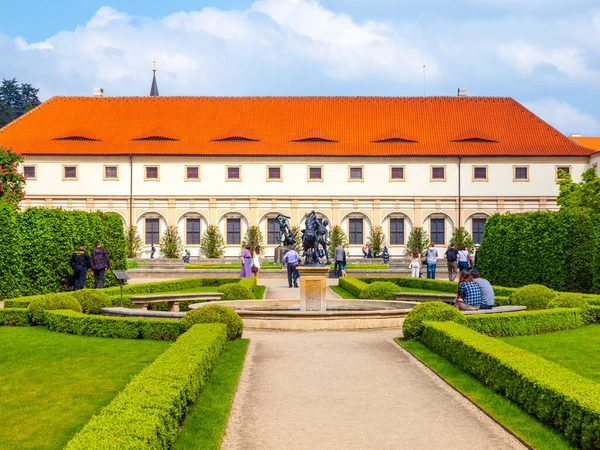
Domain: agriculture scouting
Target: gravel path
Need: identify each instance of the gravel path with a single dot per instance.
(349, 390)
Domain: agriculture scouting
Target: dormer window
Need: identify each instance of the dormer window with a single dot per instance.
(156, 138)
(76, 138)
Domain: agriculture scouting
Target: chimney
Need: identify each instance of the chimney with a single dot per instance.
(462, 92)
(98, 92)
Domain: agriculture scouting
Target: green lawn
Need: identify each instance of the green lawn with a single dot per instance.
(205, 423)
(347, 295)
(577, 350)
(52, 383)
(528, 428)
(236, 265)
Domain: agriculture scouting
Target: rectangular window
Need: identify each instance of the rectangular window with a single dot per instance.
(233, 173)
(437, 231)
(274, 173)
(355, 173)
(397, 173)
(69, 172)
(30, 172)
(233, 232)
(192, 173)
(111, 173)
(355, 232)
(438, 173)
(521, 173)
(315, 174)
(151, 173)
(273, 235)
(396, 231)
(478, 225)
(192, 230)
(152, 234)
(480, 173)
(566, 169)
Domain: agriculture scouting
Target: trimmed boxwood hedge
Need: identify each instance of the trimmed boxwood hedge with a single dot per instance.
(552, 393)
(217, 314)
(412, 328)
(534, 296)
(236, 291)
(113, 327)
(148, 412)
(380, 290)
(527, 322)
(49, 302)
(17, 317)
(352, 285)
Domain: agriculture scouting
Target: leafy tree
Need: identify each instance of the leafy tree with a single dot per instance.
(296, 234)
(134, 242)
(170, 243)
(580, 197)
(6, 114)
(377, 240)
(336, 237)
(418, 239)
(12, 183)
(29, 98)
(16, 99)
(212, 243)
(460, 237)
(253, 238)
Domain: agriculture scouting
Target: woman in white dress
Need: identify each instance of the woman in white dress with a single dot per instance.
(415, 264)
(256, 262)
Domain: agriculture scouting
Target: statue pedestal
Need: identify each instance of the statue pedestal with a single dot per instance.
(313, 288)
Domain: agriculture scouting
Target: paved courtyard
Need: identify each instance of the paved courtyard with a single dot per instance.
(350, 390)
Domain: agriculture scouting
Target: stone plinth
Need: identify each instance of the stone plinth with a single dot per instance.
(313, 288)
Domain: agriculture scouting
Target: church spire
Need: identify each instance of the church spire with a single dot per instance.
(154, 88)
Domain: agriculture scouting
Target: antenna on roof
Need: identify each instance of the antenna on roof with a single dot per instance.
(423, 80)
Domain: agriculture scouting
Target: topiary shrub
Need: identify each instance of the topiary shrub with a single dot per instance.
(534, 296)
(380, 290)
(567, 300)
(236, 291)
(217, 314)
(51, 302)
(92, 301)
(434, 311)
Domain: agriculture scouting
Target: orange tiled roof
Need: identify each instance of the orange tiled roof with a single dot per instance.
(334, 126)
(592, 142)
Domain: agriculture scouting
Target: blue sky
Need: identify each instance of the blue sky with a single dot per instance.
(543, 53)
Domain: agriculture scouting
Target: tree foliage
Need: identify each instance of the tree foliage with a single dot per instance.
(12, 182)
(335, 237)
(170, 243)
(253, 237)
(134, 242)
(376, 240)
(16, 99)
(584, 196)
(461, 237)
(418, 240)
(212, 243)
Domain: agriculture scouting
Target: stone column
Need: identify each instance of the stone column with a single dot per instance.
(313, 288)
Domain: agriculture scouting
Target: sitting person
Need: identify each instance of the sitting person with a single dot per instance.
(487, 292)
(468, 295)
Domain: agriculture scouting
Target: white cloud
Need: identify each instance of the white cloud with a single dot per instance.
(106, 16)
(24, 46)
(563, 116)
(596, 19)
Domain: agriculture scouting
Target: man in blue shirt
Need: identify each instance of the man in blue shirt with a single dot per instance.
(487, 291)
(291, 259)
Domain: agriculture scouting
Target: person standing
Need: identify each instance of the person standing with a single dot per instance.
(100, 263)
(152, 251)
(256, 262)
(340, 256)
(291, 259)
(365, 251)
(246, 257)
(80, 262)
(451, 256)
(487, 291)
(431, 255)
(415, 264)
(463, 258)
(475, 264)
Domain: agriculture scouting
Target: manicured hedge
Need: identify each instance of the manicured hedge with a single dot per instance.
(113, 327)
(12, 278)
(217, 314)
(552, 393)
(352, 285)
(380, 290)
(148, 412)
(526, 322)
(560, 250)
(426, 283)
(17, 317)
(168, 286)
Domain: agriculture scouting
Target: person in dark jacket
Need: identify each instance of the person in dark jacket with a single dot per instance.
(100, 263)
(80, 262)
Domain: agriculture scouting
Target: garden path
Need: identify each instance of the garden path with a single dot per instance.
(351, 390)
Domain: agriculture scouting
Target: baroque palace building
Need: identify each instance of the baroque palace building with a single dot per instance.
(398, 162)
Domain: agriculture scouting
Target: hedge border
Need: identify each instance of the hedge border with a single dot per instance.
(65, 321)
(15, 317)
(148, 412)
(552, 393)
(353, 285)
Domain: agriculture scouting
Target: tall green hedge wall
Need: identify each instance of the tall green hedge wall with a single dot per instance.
(558, 249)
(37, 244)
